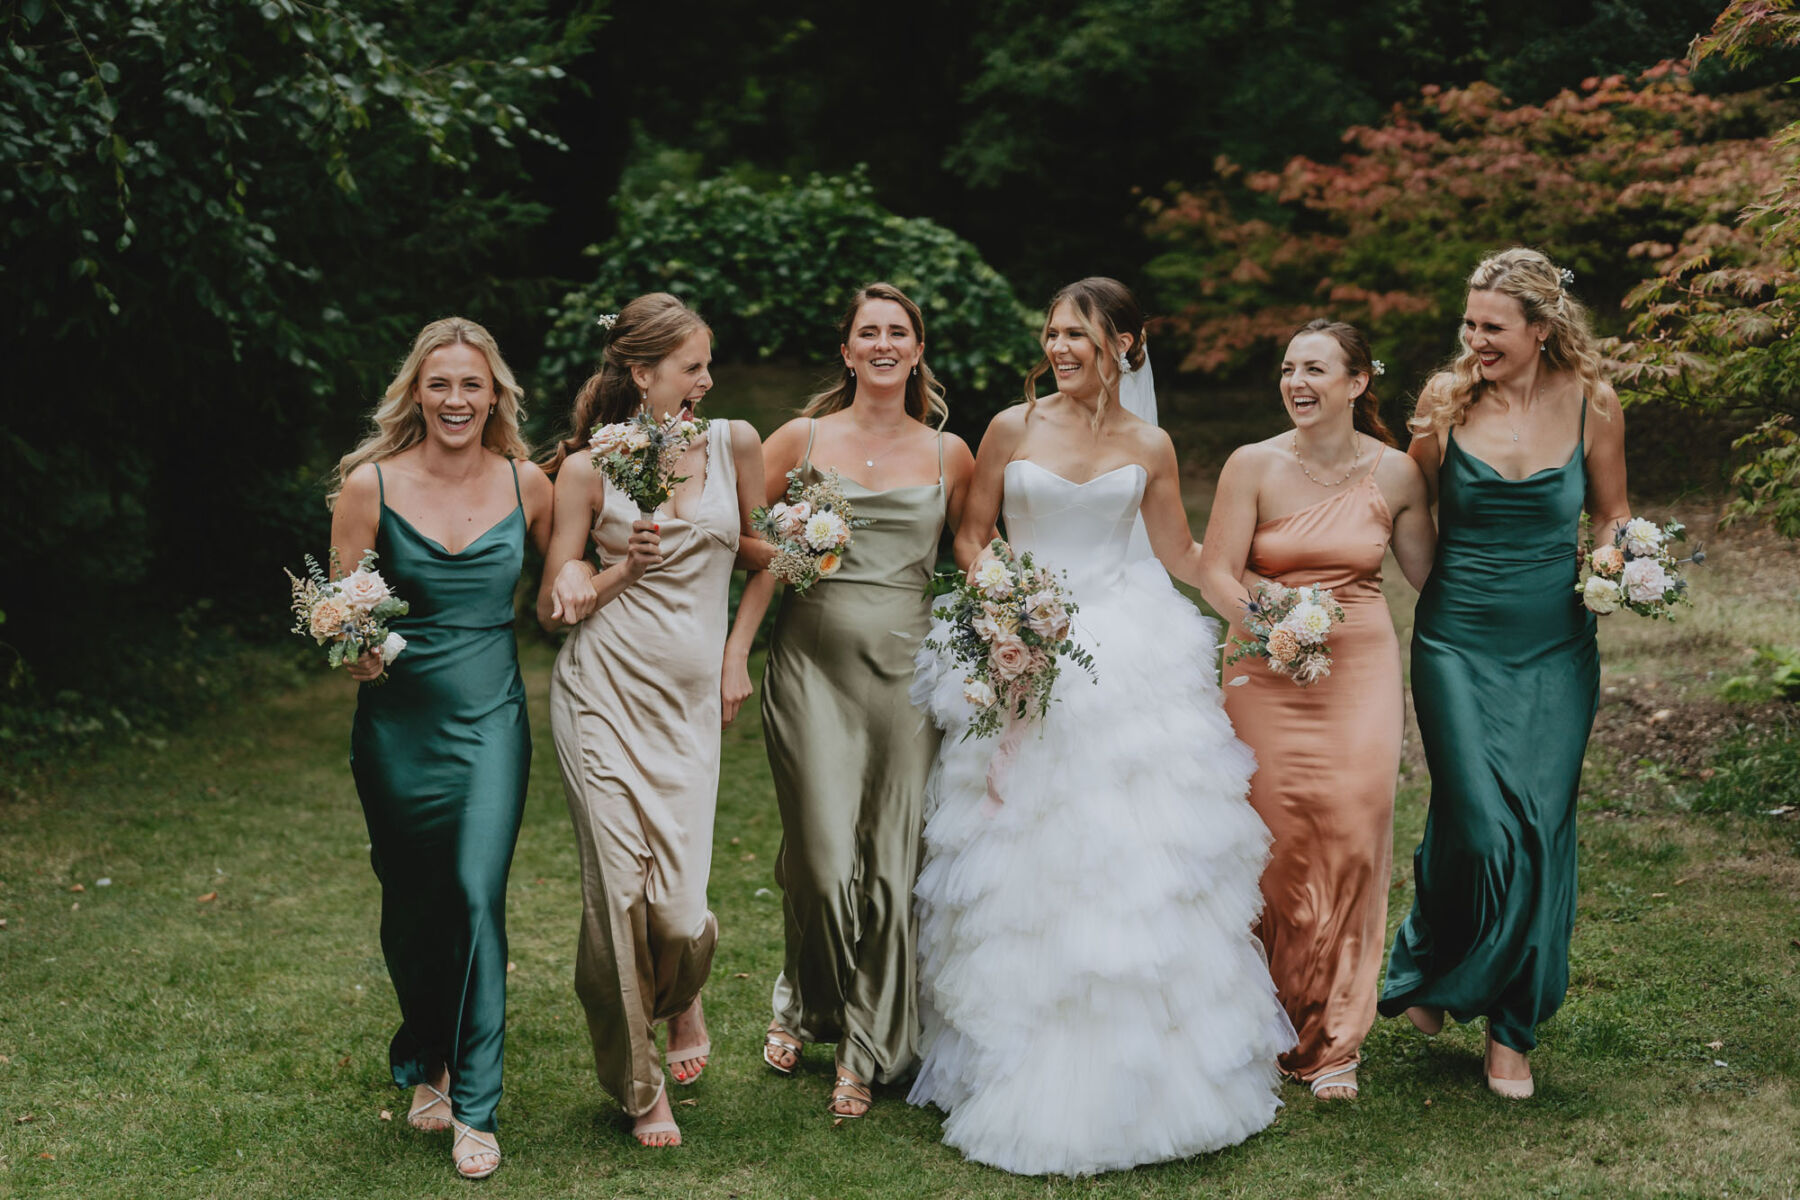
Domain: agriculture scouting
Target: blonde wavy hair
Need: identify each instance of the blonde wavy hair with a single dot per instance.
(924, 394)
(398, 423)
(1530, 278)
(1106, 310)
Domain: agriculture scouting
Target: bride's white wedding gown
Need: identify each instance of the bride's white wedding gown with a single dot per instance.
(1092, 994)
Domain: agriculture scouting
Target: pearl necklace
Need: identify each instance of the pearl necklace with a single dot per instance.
(1355, 461)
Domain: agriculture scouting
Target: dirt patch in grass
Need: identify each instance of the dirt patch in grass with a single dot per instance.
(1681, 735)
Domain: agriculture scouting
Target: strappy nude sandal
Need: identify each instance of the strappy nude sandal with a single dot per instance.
(415, 1116)
(688, 1054)
(1322, 1082)
(640, 1132)
(484, 1144)
(776, 1038)
(846, 1090)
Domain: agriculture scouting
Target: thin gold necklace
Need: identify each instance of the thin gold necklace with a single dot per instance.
(1355, 461)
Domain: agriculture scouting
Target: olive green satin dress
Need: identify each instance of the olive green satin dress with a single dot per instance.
(440, 754)
(1506, 678)
(634, 710)
(850, 755)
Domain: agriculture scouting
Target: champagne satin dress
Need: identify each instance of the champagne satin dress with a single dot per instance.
(850, 754)
(634, 708)
(1327, 756)
(1506, 681)
(440, 753)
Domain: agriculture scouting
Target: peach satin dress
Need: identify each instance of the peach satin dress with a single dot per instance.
(1327, 759)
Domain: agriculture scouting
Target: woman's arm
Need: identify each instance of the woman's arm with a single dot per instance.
(1225, 558)
(959, 472)
(573, 589)
(734, 675)
(1427, 449)
(1165, 515)
(987, 485)
(354, 523)
(1415, 535)
(1607, 504)
(539, 499)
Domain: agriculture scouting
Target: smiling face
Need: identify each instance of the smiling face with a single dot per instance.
(1074, 357)
(1504, 343)
(683, 377)
(455, 394)
(1317, 386)
(883, 348)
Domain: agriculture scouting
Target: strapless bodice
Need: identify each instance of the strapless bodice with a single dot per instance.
(1081, 528)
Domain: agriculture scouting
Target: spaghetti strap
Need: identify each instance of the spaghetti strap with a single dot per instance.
(380, 486)
(940, 458)
(812, 431)
(517, 497)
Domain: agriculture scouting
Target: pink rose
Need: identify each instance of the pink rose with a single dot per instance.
(1045, 614)
(363, 590)
(1645, 581)
(1009, 658)
(793, 518)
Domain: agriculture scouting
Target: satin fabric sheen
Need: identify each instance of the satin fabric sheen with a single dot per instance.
(634, 709)
(1506, 679)
(440, 754)
(849, 755)
(1327, 756)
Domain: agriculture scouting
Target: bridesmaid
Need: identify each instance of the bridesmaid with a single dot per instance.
(635, 704)
(441, 489)
(1516, 438)
(848, 751)
(1319, 505)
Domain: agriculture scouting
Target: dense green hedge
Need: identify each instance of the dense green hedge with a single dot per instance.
(772, 270)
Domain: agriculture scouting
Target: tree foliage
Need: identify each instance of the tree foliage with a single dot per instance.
(223, 224)
(771, 271)
(1713, 331)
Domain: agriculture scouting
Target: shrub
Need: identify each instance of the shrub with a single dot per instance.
(771, 270)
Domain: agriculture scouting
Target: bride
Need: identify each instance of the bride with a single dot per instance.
(1091, 992)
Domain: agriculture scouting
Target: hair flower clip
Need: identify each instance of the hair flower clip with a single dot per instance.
(606, 320)
(1568, 277)
(1378, 367)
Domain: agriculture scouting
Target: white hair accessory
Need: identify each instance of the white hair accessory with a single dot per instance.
(606, 320)
(1377, 367)
(1568, 277)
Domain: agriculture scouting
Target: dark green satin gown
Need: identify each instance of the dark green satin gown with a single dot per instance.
(440, 753)
(1506, 679)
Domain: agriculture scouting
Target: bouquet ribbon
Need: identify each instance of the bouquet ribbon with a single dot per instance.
(1000, 764)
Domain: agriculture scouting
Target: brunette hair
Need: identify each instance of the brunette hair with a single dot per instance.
(1106, 311)
(399, 425)
(1358, 361)
(924, 395)
(645, 332)
(1529, 277)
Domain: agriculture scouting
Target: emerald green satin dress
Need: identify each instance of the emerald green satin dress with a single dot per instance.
(850, 755)
(1506, 680)
(440, 754)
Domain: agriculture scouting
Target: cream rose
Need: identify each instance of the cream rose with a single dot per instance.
(608, 439)
(1642, 539)
(363, 589)
(1045, 614)
(978, 693)
(1009, 657)
(1644, 580)
(391, 648)
(1600, 595)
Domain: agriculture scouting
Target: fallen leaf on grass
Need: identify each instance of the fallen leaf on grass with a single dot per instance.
(742, 975)
(750, 857)
(102, 883)
(24, 1118)
(837, 1122)
(511, 967)
(386, 1115)
(1657, 895)
(206, 899)
(2, 922)
(687, 1103)
(75, 907)
(344, 1061)
(1715, 1045)
(48, 1155)
(77, 888)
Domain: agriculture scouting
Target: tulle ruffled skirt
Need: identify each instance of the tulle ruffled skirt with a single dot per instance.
(1092, 995)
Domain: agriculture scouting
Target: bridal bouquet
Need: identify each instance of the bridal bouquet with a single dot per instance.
(639, 455)
(350, 615)
(810, 530)
(1289, 627)
(1636, 571)
(1009, 627)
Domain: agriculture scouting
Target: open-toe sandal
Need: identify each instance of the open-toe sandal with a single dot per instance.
(484, 1144)
(688, 1054)
(418, 1112)
(853, 1091)
(779, 1039)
